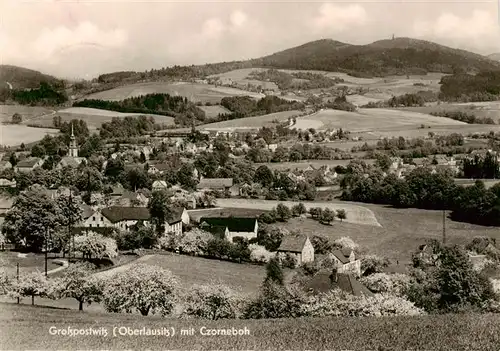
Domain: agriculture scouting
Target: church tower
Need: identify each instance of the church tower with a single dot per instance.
(73, 147)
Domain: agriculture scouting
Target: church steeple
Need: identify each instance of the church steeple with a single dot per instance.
(73, 147)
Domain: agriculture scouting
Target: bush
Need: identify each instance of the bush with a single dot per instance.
(299, 209)
(339, 303)
(259, 254)
(393, 284)
(346, 243)
(372, 264)
(213, 301)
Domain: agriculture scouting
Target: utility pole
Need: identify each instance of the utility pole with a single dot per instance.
(46, 246)
(17, 275)
(444, 227)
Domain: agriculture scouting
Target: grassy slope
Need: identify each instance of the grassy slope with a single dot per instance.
(401, 232)
(251, 122)
(21, 78)
(25, 327)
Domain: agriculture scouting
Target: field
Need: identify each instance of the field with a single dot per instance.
(30, 263)
(251, 122)
(224, 212)
(27, 327)
(355, 213)
(193, 91)
(213, 111)
(369, 120)
(240, 76)
(93, 117)
(400, 233)
(488, 183)
(27, 112)
(480, 109)
(12, 135)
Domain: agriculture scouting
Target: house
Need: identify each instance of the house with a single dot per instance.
(68, 161)
(345, 262)
(5, 165)
(159, 185)
(231, 227)
(219, 184)
(131, 199)
(325, 281)
(28, 164)
(298, 247)
(6, 183)
(123, 217)
(158, 168)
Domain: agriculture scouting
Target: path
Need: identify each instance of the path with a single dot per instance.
(110, 272)
(355, 213)
(65, 265)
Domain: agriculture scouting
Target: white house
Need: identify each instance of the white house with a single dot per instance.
(299, 247)
(231, 227)
(345, 262)
(160, 185)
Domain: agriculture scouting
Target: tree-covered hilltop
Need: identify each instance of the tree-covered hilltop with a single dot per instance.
(245, 106)
(184, 111)
(484, 86)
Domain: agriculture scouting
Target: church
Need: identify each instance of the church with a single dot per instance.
(72, 158)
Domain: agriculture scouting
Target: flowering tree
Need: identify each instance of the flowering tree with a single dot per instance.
(96, 245)
(195, 241)
(5, 282)
(371, 264)
(346, 243)
(212, 301)
(32, 284)
(144, 288)
(79, 283)
(259, 253)
(394, 284)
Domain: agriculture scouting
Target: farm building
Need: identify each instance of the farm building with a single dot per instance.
(325, 281)
(131, 199)
(158, 168)
(28, 164)
(230, 227)
(219, 184)
(345, 262)
(159, 185)
(299, 247)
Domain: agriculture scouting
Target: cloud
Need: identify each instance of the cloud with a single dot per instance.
(338, 18)
(213, 28)
(480, 29)
(53, 41)
(238, 18)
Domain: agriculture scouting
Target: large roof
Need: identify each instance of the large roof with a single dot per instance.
(117, 214)
(234, 224)
(342, 255)
(215, 183)
(28, 162)
(292, 243)
(324, 281)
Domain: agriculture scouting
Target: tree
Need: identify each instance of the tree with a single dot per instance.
(299, 209)
(341, 214)
(32, 215)
(346, 243)
(17, 118)
(327, 216)
(372, 264)
(143, 287)
(315, 212)
(38, 151)
(71, 212)
(31, 284)
(78, 282)
(274, 273)
(93, 245)
(212, 301)
(185, 176)
(383, 161)
(159, 210)
(271, 238)
(264, 176)
(321, 245)
(283, 212)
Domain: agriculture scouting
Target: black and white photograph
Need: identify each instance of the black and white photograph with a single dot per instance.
(250, 175)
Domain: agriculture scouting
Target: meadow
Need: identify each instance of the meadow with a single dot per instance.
(213, 111)
(479, 109)
(400, 233)
(15, 134)
(355, 213)
(27, 327)
(27, 112)
(251, 122)
(301, 165)
(195, 92)
(93, 117)
(369, 120)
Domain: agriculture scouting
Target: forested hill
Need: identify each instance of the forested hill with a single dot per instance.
(14, 77)
(384, 57)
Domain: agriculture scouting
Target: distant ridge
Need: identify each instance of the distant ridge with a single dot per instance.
(14, 77)
(495, 56)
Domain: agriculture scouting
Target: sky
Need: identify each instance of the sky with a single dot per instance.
(82, 39)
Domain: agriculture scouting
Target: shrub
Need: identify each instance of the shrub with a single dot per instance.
(393, 284)
(346, 243)
(212, 301)
(339, 303)
(259, 253)
(372, 264)
(299, 209)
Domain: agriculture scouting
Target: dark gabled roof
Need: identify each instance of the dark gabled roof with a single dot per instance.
(118, 190)
(292, 243)
(28, 162)
(106, 231)
(87, 211)
(215, 183)
(117, 213)
(342, 255)
(161, 166)
(234, 224)
(324, 281)
(131, 166)
(175, 215)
